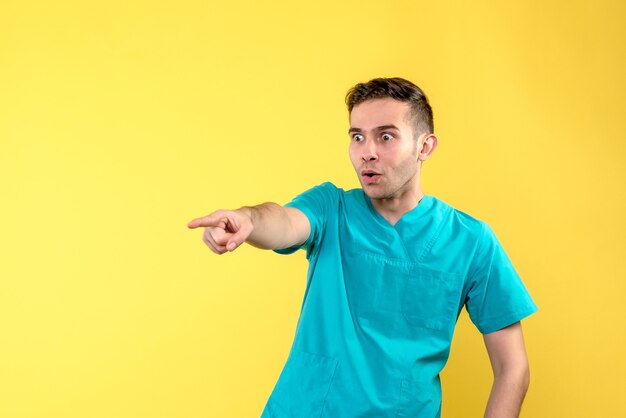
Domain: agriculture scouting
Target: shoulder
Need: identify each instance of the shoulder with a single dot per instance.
(472, 233)
(323, 190)
(318, 198)
(458, 221)
(330, 190)
(326, 187)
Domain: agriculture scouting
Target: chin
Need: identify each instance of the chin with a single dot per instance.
(374, 193)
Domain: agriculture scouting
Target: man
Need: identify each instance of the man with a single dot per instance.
(389, 271)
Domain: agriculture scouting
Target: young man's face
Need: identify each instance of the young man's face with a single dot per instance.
(383, 149)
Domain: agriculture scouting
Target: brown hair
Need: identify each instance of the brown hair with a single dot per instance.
(399, 89)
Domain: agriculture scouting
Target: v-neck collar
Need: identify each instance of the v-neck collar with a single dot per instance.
(412, 215)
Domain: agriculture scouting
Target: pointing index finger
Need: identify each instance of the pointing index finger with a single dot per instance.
(209, 220)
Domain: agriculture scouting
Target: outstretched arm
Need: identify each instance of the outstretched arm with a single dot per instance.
(267, 226)
(507, 354)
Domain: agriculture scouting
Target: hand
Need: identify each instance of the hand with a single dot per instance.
(224, 230)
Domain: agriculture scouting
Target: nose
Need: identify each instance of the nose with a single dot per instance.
(369, 151)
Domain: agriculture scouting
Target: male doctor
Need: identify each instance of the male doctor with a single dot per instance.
(390, 269)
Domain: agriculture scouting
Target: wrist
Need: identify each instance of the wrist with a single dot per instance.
(246, 211)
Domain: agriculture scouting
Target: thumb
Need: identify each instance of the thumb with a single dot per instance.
(238, 238)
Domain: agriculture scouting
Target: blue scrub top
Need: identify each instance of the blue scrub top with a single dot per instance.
(381, 303)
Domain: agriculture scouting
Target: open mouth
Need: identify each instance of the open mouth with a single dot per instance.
(370, 176)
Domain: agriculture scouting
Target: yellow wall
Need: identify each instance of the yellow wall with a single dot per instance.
(120, 122)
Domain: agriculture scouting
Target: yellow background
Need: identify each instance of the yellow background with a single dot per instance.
(121, 121)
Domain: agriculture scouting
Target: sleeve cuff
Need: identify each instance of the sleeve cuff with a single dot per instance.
(306, 244)
(496, 324)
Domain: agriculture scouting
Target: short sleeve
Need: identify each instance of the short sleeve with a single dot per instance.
(316, 204)
(497, 296)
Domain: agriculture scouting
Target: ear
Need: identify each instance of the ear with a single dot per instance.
(426, 146)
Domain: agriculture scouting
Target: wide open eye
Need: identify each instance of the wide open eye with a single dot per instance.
(387, 137)
(357, 137)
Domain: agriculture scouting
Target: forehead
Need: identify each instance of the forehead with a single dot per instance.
(379, 112)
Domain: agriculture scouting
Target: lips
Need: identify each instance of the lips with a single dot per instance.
(370, 176)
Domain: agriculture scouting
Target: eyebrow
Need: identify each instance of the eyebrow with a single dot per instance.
(378, 128)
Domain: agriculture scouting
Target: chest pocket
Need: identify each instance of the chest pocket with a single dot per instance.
(430, 298)
(387, 291)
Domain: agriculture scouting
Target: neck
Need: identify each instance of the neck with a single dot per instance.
(393, 208)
